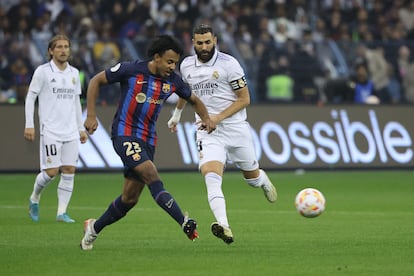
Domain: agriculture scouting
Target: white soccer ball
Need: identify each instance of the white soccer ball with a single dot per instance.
(310, 202)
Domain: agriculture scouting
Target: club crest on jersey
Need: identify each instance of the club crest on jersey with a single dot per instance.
(215, 75)
(136, 156)
(73, 80)
(166, 87)
(140, 97)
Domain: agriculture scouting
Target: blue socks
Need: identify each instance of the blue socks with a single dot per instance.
(165, 200)
(116, 210)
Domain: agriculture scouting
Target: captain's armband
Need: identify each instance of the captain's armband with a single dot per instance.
(238, 84)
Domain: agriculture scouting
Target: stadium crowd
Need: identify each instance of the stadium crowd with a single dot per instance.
(296, 51)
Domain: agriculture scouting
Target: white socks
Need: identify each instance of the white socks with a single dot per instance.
(64, 192)
(258, 181)
(42, 180)
(216, 197)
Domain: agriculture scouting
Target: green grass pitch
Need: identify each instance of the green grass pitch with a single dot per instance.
(366, 229)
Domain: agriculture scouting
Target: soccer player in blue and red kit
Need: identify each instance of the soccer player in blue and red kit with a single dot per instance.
(145, 85)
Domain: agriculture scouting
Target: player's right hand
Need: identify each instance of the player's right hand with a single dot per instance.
(91, 124)
(29, 134)
(208, 126)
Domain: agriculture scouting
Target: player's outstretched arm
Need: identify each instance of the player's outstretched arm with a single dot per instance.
(176, 116)
(199, 107)
(91, 123)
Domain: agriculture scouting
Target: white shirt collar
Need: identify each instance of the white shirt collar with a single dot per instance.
(56, 69)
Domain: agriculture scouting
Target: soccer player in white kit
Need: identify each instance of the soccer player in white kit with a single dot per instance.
(56, 85)
(219, 80)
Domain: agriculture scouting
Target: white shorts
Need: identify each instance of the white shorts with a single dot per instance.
(54, 154)
(232, 142)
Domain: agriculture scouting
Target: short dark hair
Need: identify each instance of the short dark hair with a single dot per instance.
(203, 29)
(162, 43)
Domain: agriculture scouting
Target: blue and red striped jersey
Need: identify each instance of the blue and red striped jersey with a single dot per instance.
(142, 97)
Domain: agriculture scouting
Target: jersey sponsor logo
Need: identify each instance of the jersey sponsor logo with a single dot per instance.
(205, 92)
(202, 85)
(154, 101)
(63, 90)
(204, 89)
(140, 97)
(116, 67)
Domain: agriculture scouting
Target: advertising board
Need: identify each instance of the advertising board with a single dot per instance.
(286, 137)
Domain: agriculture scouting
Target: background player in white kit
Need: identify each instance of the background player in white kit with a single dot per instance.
(57, 87)
(219, 81)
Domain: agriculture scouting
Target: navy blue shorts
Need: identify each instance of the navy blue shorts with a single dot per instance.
(132, 151)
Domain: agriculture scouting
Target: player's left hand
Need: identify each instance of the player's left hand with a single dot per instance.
(174, 120)
(172, 124)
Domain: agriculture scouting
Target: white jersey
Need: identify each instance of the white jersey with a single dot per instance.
(58, 95)
(214, 82)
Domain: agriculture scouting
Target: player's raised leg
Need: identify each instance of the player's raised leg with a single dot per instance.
(166, 201)
(261, 181)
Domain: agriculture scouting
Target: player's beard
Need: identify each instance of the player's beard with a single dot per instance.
(205, 56)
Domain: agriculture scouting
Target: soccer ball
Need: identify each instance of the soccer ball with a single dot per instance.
(310, 202)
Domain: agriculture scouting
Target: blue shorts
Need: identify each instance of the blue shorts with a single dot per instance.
(132, 151)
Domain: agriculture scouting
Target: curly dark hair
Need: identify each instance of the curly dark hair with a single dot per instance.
(162, 43)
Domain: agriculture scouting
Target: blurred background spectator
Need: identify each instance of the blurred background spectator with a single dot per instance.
(292, 51)
(357, 89)
(405, 72)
